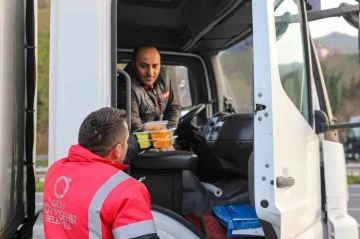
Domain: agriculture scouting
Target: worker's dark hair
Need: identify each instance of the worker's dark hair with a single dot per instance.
(136, 50)
(102, 130)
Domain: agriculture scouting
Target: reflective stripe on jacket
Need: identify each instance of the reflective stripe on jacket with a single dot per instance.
(86, 196)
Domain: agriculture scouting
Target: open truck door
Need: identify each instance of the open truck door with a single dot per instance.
(286, 147)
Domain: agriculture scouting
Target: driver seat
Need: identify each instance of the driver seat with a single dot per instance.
(162, 173)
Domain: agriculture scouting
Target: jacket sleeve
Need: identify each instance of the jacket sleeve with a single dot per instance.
(136, 123)
(133, 218)
(133, 149)
(172, 110)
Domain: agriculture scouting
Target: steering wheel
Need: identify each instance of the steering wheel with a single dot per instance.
(186, 119)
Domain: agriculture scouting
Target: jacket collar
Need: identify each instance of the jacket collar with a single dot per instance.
(78, 153)
(148, 88)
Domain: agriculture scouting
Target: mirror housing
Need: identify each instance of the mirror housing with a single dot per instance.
(322, 123)
(354, 20)
(351, 14)
(351, 18)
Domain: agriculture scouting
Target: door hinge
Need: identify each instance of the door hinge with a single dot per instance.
(259, 107)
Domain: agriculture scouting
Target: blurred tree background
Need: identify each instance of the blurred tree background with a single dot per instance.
(43, 76)
(342, 79)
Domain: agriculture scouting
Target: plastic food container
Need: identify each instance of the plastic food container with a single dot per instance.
(162, 143)
(162, 134)
(144, 144)
(156, 143)
(155, 125)
(142, 135)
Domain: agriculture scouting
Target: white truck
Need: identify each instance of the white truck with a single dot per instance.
(274, 144)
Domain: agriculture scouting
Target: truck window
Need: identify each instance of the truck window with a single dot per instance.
(237, 66)
(290, 44)
(179, 78)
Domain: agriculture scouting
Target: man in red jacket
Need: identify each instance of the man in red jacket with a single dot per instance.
(87, 195)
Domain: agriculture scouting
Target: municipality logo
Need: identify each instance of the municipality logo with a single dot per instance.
(61, 193)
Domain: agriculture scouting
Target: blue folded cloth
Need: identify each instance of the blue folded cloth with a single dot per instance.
(235, 217)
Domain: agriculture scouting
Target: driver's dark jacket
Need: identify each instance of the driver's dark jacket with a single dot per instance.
(144, 106)
(159, 103)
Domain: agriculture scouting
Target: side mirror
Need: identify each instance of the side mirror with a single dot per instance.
(351, 14)
(351, 18)
(322, 123)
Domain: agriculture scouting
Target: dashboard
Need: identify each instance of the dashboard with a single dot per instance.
(225, 143)
(229, 127)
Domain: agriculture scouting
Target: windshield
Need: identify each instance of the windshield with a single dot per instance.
(237, 66)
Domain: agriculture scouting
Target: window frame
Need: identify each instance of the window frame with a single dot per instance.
(307, 48)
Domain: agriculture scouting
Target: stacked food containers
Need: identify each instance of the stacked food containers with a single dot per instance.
(155, 135)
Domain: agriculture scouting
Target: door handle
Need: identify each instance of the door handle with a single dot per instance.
(282, 182)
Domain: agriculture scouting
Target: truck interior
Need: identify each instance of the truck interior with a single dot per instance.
(216, 138)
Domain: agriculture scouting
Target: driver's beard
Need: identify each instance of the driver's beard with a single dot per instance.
(137, 75)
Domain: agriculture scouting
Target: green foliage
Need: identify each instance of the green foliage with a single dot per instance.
(43, 80)
(39, 186)
(346, 65)
(343, 71)
(333, 87)
(41, 163)
(353, 91)
(353, 179)
(344, 91)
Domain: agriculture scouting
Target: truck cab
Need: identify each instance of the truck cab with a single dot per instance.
(252, 100)
(255, 116)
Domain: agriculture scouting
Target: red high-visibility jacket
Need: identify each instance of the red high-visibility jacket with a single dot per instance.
(87, 196)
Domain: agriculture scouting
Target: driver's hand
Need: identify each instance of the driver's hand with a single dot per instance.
(170, 148)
